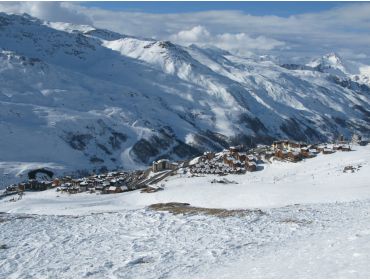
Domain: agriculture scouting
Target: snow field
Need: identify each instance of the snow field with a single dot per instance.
(295, 241)
(309, 228)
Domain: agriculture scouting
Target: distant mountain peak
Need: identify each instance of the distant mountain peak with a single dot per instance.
(330, 63)
(70, 27)
(333, 58)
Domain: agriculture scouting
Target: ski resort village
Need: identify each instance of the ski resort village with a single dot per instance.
(221, 214)
(229, 161)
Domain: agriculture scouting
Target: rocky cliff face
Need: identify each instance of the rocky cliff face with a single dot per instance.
(93, 99)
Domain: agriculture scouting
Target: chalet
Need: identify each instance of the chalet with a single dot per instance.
(341, 140)
(337, 147)
(114, 182)
(268, 155)
(233, 150)
(67, 185)
(62, 188)
(281, 154)
(294, 156)
(73, 190)
(66, 179)
(287, 145)
(22, 187)
(35, 185)
(112, 189)
(238, 163)
(241, 156)
(259, 157)
(11, 188)
(164, 164)
(305, 152)
(346, 148)
(83, 186)
(240, 170)
(56, 183)
(228, 160)
(112, 174)
(321, 148)
(251, 158)
(279, 145)
(341, 147)
(250, 166)
(232, 163)
(327, 151)
(295, 145)
(209, 155)
(99, 188)
(218, 171)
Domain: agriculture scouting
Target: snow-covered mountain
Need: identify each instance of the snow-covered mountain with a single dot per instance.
(86, 98)
(329, 63)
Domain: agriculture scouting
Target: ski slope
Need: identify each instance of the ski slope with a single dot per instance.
(313, 224)
(303, 241)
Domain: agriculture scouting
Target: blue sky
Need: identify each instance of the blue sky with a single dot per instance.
(254, 8)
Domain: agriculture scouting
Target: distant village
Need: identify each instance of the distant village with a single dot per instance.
(229, 161)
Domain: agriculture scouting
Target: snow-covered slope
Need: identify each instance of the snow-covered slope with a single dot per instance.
(312, 222)
(84, 99)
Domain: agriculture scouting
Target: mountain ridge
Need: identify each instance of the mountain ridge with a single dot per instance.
(95, 99)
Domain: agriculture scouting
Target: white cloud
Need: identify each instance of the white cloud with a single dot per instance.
(194, 35)
(241, 40)
(240, 43)
(46, 10)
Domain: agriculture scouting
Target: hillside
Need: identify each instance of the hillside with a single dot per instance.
(77, 98)
(311, 210)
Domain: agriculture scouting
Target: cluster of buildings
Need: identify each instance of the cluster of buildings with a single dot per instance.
(292, 151)
(32, 185)
(233, 161)
(296, 151)
(111, 182)
(229, 161)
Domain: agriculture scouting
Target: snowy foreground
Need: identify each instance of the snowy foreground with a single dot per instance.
(314, 223)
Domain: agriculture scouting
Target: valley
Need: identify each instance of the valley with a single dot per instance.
(98, 100)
